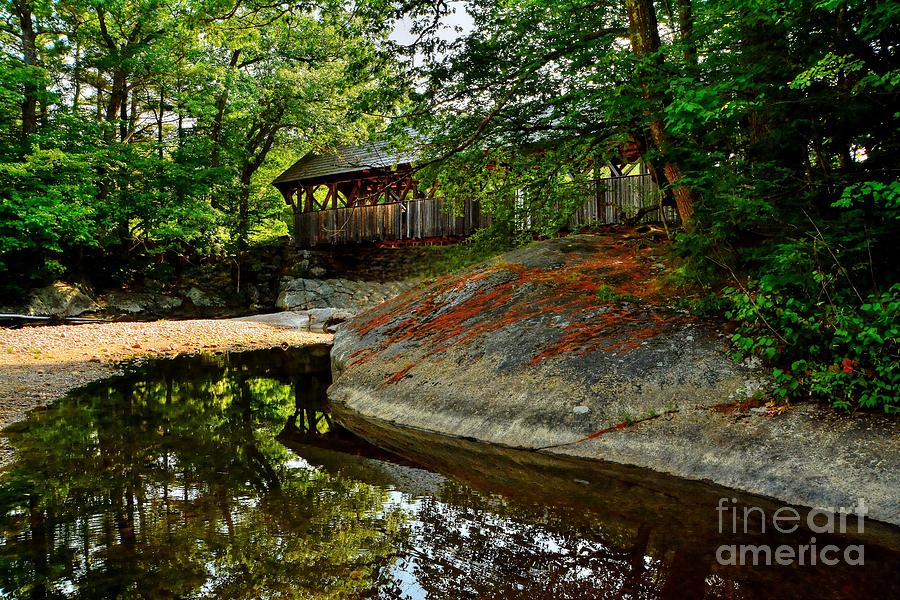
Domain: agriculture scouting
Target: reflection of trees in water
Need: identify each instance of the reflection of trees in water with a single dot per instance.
(478, 547)
(170, 486)
(161, 488)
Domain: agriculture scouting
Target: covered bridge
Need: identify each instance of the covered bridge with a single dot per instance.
(367, 193)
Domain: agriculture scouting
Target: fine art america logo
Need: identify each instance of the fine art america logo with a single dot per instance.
(787, 520)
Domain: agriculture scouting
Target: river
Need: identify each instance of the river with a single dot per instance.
(230, 476)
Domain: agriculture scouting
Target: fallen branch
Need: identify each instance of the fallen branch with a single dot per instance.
(631, 221)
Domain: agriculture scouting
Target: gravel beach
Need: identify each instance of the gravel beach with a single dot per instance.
(41, 364)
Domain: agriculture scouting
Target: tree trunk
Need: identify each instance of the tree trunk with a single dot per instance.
(117, 96)
(686, 29)
(123, 117)
(244, 206)
(133, 115)
(221, 103)
(643, 32)
(643, 29)
(30, 59)
(160, 120)
(76, 93)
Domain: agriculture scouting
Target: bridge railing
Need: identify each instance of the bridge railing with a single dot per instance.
(609, 200)
(413, 219)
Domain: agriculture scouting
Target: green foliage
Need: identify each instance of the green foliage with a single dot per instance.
(704, 304)
(606, 294)
(45, 201)
(882, 196)
(47, 208)
(834, 347)
(830, 69)
(156, 127)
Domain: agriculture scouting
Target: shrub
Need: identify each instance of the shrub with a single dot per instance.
(846, 353)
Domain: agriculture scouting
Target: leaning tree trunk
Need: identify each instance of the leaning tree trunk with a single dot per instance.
(644, 35)
(221, 103)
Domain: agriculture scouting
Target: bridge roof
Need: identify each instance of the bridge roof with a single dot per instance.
(345, 160)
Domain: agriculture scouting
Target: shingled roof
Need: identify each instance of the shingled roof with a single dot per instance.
(346, 159)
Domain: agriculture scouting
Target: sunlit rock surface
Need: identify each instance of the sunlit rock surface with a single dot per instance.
(130, 303)
(60, 300)
(304, 294)
(572, 346)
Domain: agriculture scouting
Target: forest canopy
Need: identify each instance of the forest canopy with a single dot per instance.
(139, 127)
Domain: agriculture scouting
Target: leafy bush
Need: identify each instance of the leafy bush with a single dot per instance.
(46, 205)
(846, 353)
(482, 245)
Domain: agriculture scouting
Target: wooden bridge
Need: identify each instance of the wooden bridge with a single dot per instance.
(609, 200)
(368, 193)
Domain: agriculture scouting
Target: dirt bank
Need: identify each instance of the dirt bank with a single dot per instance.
(40, 364)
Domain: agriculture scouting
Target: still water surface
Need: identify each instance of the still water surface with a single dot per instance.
(228, 477)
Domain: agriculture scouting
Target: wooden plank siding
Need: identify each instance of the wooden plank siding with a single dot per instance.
(609, 201)
(614, 199)
(415, 219)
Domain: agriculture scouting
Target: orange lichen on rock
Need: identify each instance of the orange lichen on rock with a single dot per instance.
(401, 374)
(596, 434)
(581, 338)
(360, 356)
(455, 310)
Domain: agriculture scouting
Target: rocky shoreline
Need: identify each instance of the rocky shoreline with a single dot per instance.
(63, 301)
(350, 278)
(573, 347)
